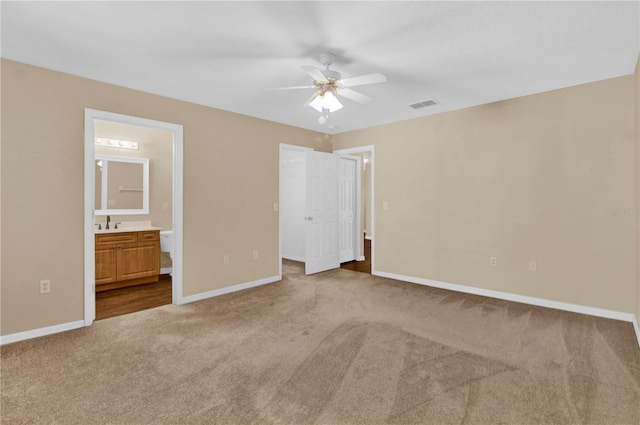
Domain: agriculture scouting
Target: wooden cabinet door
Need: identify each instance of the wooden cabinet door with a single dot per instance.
(138, 260)
(106, 262)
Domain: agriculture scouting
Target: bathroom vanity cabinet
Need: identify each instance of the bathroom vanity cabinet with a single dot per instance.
(126, 258)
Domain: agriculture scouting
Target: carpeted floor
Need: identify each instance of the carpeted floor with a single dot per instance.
(339, 347)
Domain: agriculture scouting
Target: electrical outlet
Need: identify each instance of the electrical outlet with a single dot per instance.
(385, 206)
(225, 259)
(533, 265)
(493, 261)
(165, 206)
(255, 255)
(275, 207)
(45, 286)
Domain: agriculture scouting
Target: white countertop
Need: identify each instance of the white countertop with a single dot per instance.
(127, 229)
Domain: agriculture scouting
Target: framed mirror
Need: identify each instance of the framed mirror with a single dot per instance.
(122, 185)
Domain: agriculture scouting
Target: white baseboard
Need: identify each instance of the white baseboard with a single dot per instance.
(229, 289)
(370, 238)
(576, 308)
(637, 328)
(21, 336)
(361, 258)
(293, 258)
(166, 270)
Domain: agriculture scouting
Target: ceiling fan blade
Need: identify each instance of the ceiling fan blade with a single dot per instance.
(364, 79)
(290, 88)
(313, 96)
(354, 95)
(315, 73)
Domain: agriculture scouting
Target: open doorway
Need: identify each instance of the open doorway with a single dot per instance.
(319, 208)
(133, 189)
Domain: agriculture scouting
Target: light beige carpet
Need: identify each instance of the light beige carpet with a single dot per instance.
(340, 347)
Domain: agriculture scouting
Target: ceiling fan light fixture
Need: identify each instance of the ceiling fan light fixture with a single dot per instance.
(329, 83)
(326, 100)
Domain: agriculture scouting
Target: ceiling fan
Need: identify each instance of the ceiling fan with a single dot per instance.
(328, 85)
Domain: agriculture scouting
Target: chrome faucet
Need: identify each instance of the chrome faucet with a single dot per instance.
(108, 220)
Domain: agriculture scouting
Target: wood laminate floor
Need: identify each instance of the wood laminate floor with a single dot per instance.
(361, 266)
(117, 302)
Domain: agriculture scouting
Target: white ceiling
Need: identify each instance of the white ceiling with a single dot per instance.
(223, 54)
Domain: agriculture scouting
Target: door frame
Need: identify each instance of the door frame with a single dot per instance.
(362, 149)
(89, 201)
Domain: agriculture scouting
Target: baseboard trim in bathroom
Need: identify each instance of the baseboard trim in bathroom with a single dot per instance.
(229, 289)
(35, 333)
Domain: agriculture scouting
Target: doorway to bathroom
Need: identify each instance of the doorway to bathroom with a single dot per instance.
(133, 186)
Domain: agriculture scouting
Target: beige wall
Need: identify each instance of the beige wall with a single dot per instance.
(230, 185)
(155, 145)
(540, 177)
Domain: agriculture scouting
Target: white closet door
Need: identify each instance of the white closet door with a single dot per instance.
(347, 167)
(321, 218)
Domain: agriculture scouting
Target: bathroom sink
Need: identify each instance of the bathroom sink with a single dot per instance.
(126, 229)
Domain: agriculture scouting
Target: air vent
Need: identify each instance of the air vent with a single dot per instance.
(423, 104)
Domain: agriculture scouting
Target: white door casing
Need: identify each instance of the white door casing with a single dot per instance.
(321, 220)
(348, 225)
(90, 115)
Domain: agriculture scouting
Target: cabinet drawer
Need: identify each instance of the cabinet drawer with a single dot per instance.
(109, 238)
(149, 236)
